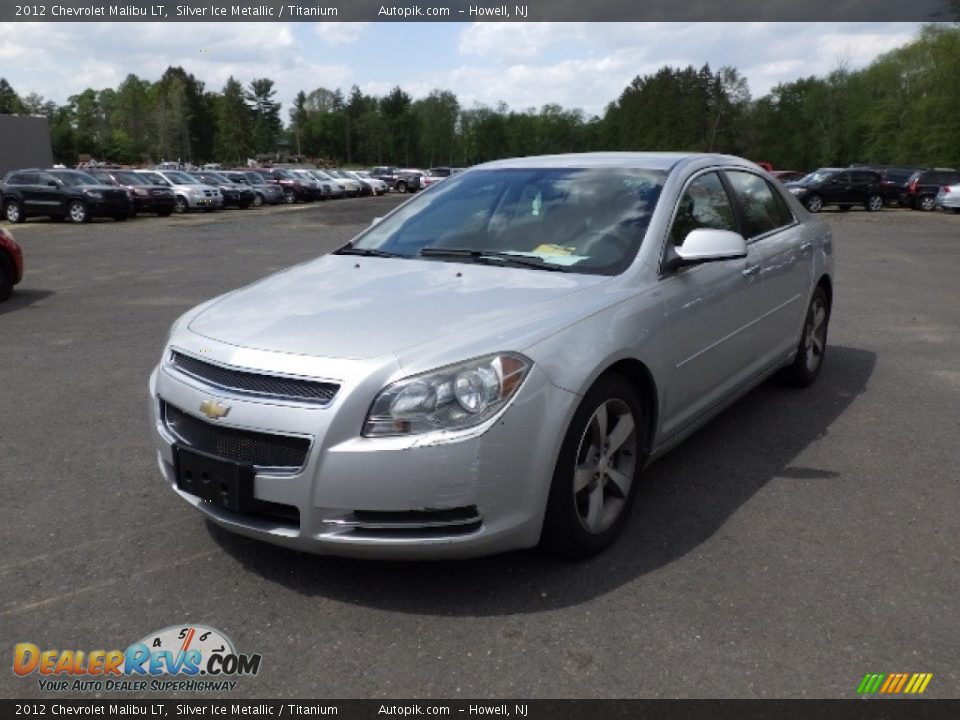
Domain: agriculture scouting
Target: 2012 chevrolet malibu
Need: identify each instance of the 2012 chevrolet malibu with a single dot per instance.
(493, 364)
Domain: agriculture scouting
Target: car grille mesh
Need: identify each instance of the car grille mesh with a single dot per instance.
(253, 383)
(243, 446)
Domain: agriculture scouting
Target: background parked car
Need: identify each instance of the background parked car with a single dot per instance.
(786, 176)
(842, 187)
(147, 197)
(264, 192)
(379, 187)
(894, 180)
(331, 186)
(11, 264)
(294, 188)
(190, 194)
(921, 190)
(397, 179)
(234, 195)
(60, 194)
(949, 198)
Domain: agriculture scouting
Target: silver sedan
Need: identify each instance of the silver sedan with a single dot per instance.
(493, 364)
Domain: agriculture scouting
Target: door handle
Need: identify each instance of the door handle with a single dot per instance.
(751, 270)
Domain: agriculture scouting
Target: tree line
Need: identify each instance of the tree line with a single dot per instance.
(902, 108)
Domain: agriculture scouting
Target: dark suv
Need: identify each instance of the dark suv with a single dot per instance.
(921, 189)
(147, 197)
(61, 194)
(843, 187)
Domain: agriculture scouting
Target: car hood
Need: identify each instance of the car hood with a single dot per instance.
(341, 306)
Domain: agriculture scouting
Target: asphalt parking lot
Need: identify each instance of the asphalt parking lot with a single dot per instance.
(801, 540)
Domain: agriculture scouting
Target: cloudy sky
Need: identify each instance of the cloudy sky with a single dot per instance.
(583, 65)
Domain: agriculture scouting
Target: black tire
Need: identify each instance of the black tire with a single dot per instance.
(810, 352)
(289, 197)
(77, 212)
(257, 200)
(874, 203)
(13, 212)
(601, 500)
(6, 277)
(925, 203)
(814, 203)
(181, 205)
(401, 186)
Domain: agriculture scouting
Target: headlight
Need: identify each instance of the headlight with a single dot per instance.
(196, 193)
(797, 190)
(451, 398)
(95, 194)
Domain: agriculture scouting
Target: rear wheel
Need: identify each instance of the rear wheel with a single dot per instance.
(77, 212)
(597, 471)
(289, 197)
(14, 212)
(925, 203)
(813, 342)
(814, 203)
(401, 187)
(257, 200)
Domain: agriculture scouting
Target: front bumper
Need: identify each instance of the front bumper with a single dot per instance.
(478, 493)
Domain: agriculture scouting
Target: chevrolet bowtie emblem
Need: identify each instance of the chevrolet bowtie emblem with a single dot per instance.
(214, 410)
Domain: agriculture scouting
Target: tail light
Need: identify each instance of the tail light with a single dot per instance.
(912, 187)
(945, 189)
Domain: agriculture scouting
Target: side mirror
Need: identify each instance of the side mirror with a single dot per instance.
(707, 244)
(375, 221)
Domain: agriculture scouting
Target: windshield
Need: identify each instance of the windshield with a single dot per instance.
(254, 178)
(75, 177)
(129, 178)
(583, 220)
(181, 178)
(818, 176)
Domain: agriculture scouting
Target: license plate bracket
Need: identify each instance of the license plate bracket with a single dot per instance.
(224, 483)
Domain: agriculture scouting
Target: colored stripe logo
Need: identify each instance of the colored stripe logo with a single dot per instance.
(894, 683)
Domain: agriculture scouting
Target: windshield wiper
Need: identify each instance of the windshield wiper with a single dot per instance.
(486, 256)
(365, 252)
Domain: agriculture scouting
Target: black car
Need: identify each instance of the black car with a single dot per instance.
(62, 194)
(843, 187)
(234, 194)
(147, 197)
(921, 188)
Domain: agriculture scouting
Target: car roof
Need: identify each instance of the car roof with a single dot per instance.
(647, 160)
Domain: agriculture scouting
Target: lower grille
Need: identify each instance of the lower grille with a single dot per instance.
(263, 450)
(412, 523)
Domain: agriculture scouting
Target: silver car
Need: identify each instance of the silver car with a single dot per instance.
(493, 364)
(948, 198)
(190, 193)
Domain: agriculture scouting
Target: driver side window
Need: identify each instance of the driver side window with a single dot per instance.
(704, 204)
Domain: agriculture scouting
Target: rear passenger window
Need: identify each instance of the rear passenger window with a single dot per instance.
(761, 210)
(704, 204)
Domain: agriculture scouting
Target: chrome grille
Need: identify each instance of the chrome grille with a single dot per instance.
(250, 383)
(264, 450)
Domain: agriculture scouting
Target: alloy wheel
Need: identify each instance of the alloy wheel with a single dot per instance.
(606, 464)
(815, 334)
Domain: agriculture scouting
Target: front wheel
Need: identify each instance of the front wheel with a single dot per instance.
(597, 471)
(814, 203)
(181, 205)
(77, 212)
(289, 197)
(813, 342)
(874, 203)
(257, 200)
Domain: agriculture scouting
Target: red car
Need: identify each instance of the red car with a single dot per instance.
(11, 264)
